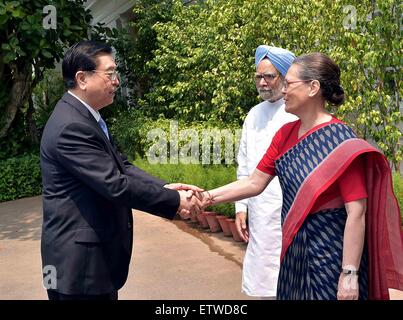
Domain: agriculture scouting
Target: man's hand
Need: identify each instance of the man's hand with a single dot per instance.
(189, 204)
(241, 227)
(183, 186)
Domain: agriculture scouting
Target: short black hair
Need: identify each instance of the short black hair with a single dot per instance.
(82, 57)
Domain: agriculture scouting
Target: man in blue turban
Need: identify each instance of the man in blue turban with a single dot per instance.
(263, 234)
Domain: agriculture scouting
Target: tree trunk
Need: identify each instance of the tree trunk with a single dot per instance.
(33, 131)
(20, 91)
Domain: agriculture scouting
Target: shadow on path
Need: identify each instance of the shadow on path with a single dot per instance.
(205, 236)
(21, 219)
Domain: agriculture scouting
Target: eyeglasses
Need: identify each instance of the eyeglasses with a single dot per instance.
(268, 77)
(112, 75)
(287, 83)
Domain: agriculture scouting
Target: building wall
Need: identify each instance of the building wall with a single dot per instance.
(113, 13)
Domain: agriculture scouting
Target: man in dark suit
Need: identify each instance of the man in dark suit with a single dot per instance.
(89, 188)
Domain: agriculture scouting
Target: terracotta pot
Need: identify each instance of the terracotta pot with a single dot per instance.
(235, 233)
(201, 217)
(193, 218)
(212, 221)
(222, 220)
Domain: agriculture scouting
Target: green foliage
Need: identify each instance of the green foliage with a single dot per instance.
(29, 47)
(203, 72)
(17, 143)
(136, 47)
(203, 61)
(20, 177)
(45, 96)
(23, 36)
(398, 189)
(138, 135)
(207, 177)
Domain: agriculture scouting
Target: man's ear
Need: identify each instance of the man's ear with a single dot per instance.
(314, 88)
(81, 80)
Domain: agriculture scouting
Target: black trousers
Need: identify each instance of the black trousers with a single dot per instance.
(54, 295)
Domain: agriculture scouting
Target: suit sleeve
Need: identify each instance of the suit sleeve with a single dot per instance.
(83, 153)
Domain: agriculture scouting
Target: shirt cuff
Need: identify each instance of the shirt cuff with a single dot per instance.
(239, 206)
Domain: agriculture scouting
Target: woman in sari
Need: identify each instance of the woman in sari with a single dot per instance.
(342, 236)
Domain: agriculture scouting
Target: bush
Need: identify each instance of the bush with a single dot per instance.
(398, 188)
(143, 137)
(20, 177)
(207, 177)
(46, 95)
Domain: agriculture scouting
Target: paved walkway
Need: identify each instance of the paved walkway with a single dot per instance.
(171, 260)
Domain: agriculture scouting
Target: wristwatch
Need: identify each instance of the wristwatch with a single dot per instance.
(350, 271)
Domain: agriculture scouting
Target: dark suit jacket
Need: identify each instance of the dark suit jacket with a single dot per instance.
(89, 189)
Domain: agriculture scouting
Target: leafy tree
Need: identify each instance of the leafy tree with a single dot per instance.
(135, 46)
(29, 45)
(202, 65)
(204, 59)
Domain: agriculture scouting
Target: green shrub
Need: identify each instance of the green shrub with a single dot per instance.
(46, 95)
(20, 177)
(398, 188)
(140, 136)
(207, 177)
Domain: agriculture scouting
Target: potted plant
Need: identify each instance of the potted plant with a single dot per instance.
(212, 221)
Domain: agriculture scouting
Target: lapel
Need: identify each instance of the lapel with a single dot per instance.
(72, 101)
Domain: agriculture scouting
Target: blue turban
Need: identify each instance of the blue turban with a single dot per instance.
(280, 58)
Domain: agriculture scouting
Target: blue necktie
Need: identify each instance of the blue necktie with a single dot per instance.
(103, 126)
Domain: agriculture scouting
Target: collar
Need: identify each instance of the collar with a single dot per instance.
(276, 104)
(95, 113)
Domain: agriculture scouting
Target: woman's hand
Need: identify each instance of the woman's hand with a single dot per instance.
(348, 287)
(205, 198)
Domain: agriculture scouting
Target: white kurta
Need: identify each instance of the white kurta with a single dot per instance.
(262, 258)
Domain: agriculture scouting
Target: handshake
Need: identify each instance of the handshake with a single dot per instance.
(193, 199)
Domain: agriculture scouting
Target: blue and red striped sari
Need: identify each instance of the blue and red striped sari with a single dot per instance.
(312, 245)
